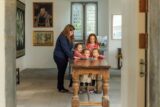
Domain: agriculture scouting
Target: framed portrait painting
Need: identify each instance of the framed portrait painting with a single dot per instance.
(20, 29)
(43, 38)
(43, 14)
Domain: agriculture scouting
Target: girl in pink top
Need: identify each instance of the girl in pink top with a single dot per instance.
(86, 53)
(85, 79)
(78, 51)
(96, 54)
(92, 42)
(77, 55)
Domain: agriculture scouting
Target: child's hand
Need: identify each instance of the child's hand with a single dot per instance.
(76, 57)
(101, 56)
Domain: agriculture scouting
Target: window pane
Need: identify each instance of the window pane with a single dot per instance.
(117, 27)
(90, 19)
(77, 20)
(84, 18)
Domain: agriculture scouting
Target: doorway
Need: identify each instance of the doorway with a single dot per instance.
(129, 80)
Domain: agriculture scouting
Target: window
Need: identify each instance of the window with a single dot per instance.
(116, 26)
(84, 19)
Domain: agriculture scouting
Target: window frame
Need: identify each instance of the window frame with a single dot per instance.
(84, 18)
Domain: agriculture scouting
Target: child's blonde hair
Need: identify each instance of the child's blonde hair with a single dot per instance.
(96, 49)
(85, 50)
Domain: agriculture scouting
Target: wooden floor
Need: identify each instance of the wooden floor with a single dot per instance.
(38, 89)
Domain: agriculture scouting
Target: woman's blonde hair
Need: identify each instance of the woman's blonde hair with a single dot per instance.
(92, 34)
(66, 31)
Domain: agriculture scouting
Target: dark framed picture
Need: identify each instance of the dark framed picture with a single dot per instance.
(43, 38)
(43, 14)
(20, 29)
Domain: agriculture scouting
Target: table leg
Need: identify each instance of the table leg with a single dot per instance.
(75, 98)
(99, 83)
(105, 98)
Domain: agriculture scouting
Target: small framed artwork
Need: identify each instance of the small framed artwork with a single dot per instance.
(20, 29)
(43, 38)
(116, 26)
(43, 14)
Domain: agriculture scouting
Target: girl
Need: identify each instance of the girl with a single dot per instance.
(96, 54)
(78, 51)
(77, 55)
(85, 80)
(86, 53)
(92, 42)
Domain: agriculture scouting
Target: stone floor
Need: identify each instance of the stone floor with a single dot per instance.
(38, 89)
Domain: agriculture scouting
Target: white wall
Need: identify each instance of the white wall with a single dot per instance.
(41, 57)
(7, 53)
(2, 55)
(114, 8)
(130, 70)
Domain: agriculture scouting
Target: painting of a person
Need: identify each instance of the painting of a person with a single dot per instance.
(43, 18)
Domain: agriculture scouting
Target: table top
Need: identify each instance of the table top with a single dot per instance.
(100, 63)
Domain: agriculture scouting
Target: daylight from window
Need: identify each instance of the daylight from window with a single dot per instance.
(84, 19)
(117, 27)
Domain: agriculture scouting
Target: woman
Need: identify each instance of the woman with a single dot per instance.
(62, 53)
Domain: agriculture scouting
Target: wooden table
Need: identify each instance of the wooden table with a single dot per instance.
(96, 67)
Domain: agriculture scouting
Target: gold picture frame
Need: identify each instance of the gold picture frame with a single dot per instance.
(43, 38)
